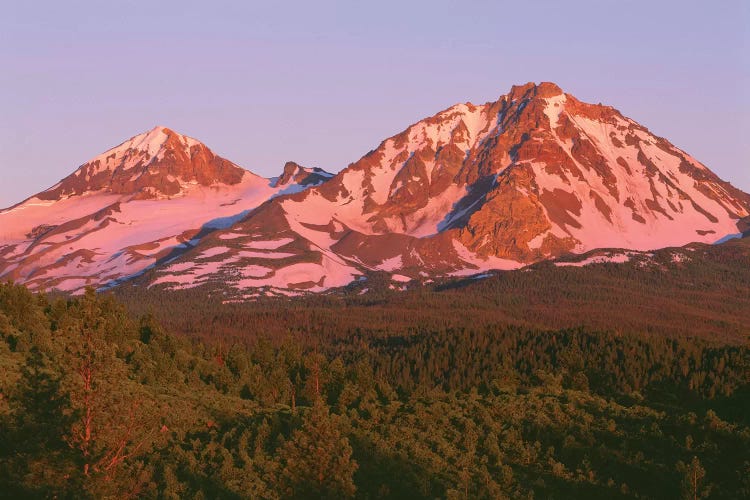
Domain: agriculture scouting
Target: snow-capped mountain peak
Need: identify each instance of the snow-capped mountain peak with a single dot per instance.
(159, 162)
(535, 175)
(153, 142)
(148, 199)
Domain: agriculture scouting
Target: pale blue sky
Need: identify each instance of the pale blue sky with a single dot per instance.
(321, 83)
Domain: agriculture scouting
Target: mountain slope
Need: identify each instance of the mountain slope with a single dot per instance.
(144, 201)
(534, 175)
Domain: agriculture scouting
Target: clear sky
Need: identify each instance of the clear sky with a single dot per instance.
(322, 83)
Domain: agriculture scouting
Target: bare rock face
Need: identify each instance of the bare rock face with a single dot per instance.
(294, 174)
(535, 175)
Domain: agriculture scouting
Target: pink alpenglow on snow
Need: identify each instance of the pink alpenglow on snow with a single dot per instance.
(124, 211)
(534, 175)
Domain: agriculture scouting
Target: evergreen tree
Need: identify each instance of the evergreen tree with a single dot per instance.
(107, 428)
(33, 443)
(316, 462)
(693, 475)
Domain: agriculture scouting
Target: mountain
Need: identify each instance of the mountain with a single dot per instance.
(535, 175)
(154, 164)
(532, 176)
(144, 201)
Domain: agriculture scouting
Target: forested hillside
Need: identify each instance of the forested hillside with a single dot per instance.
(696, 291)
(366, 397)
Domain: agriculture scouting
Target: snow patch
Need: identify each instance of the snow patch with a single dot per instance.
(480, 263)
(247, 254)
(213, 252)
(231, 236)
(269, 244)
(391, 264)
(597, 259)
(554, 107)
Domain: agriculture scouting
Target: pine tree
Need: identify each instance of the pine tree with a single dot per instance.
(107, 428)
(316, 462)
(693, 475)
(33, 442)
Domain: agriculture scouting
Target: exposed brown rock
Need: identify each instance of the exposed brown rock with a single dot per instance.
(508, 220)
(150, 177)
(601, 205)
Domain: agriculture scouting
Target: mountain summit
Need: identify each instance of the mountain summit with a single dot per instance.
(534, 175)
(540, 173)
(149, 199)
(159, 162)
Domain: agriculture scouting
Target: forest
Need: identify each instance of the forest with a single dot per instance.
(434, 392)
(694, 291)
